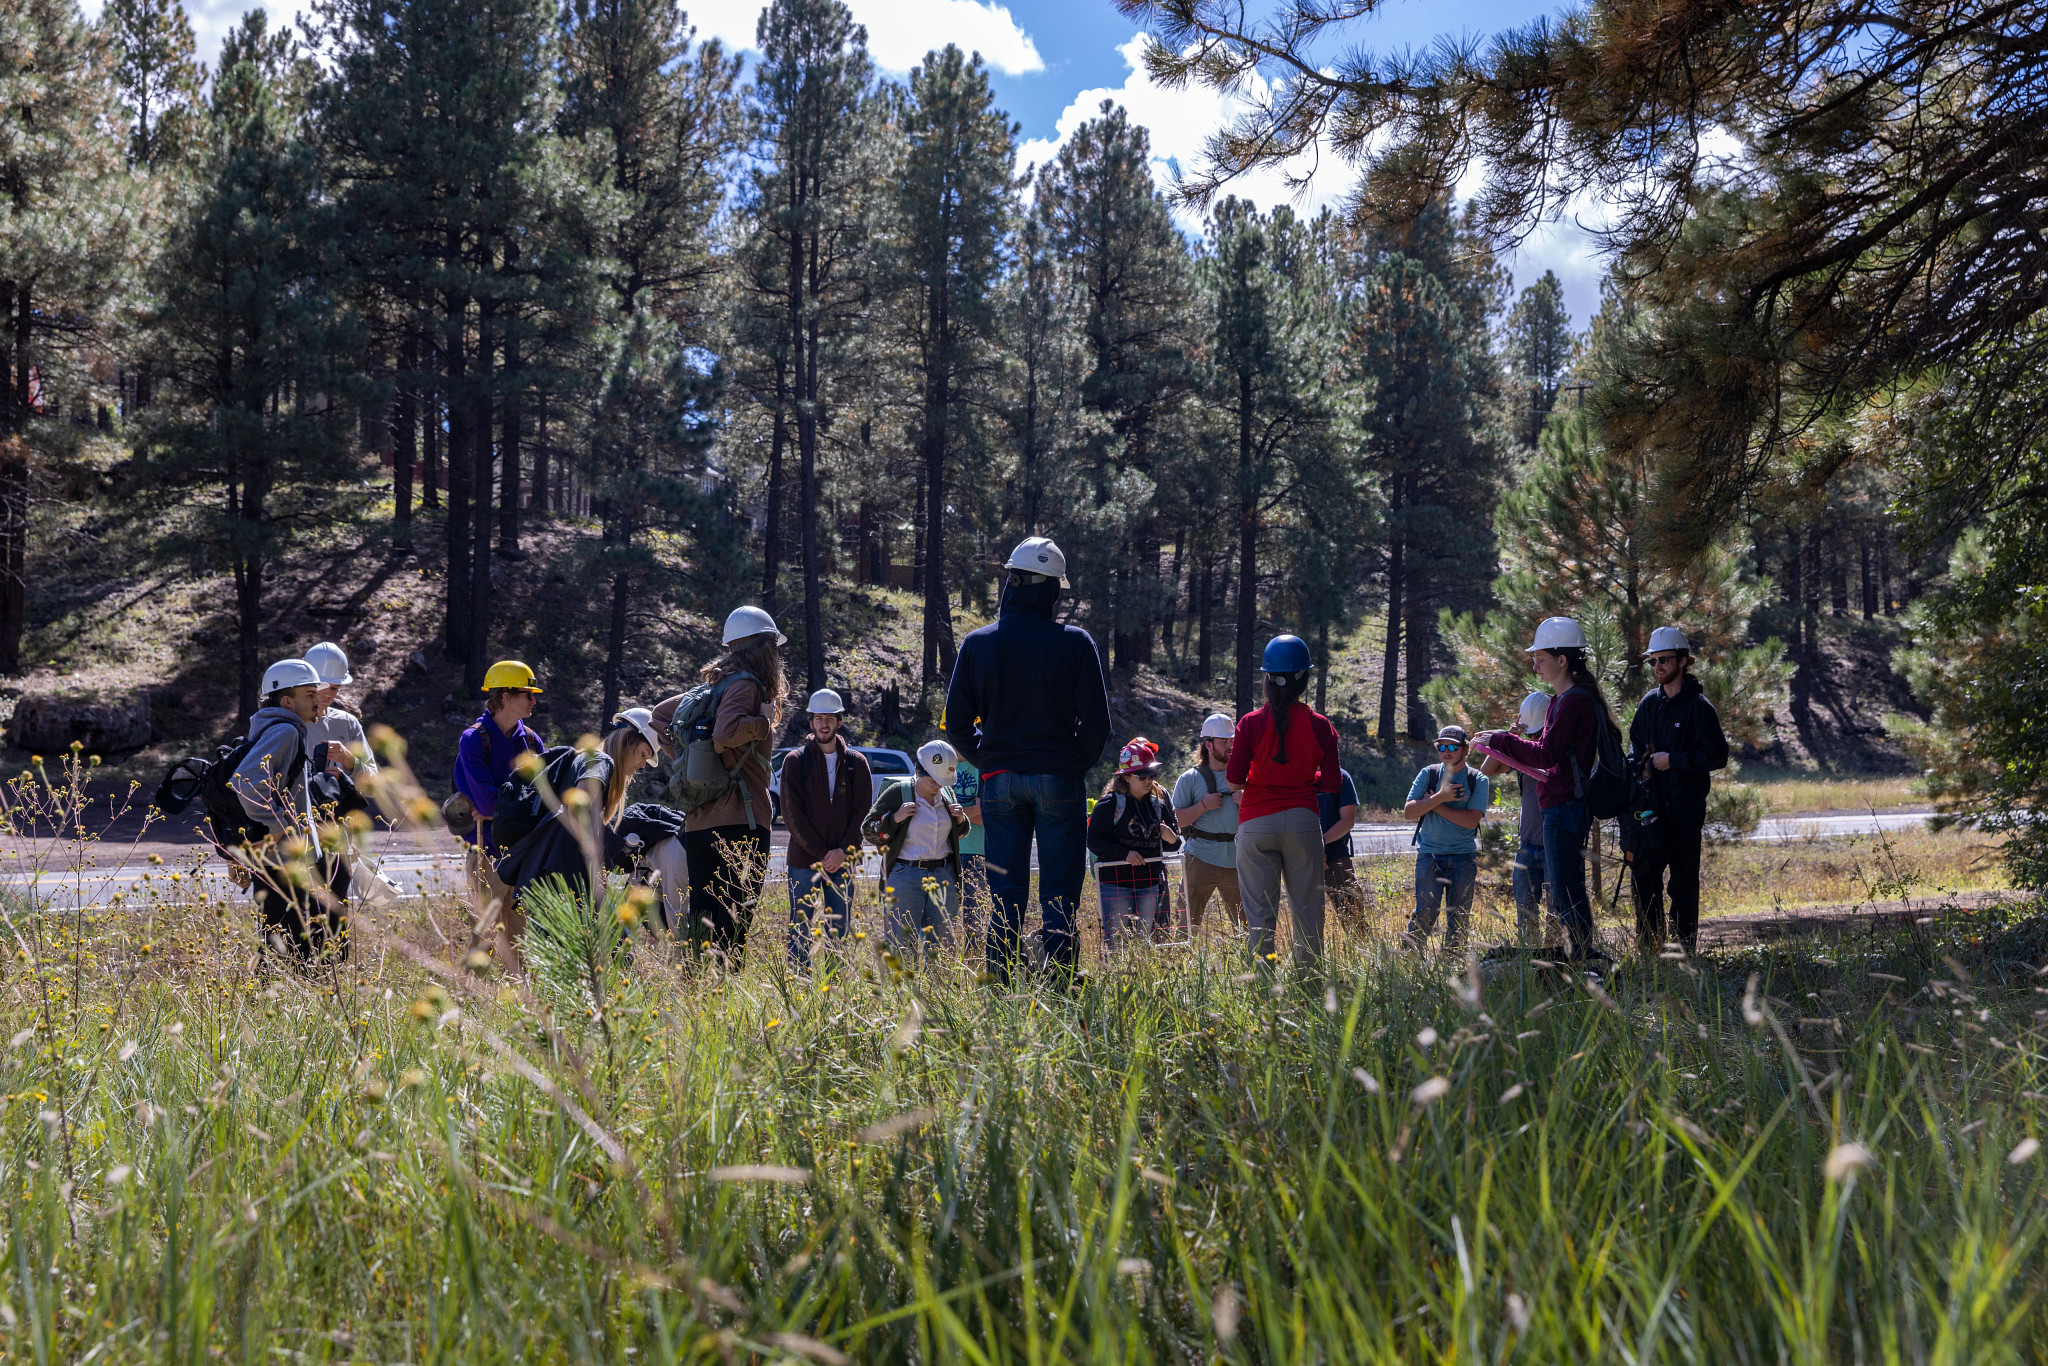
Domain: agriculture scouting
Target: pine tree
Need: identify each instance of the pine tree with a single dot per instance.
(1571, 530)
(954, 202)
(1419, 338)
(1103, 214)
(68, 219)
(1537, 349)
(247, 343)
(1273, 381)
(820, 140)
(657, 124)
(437, 119)
(159, 78)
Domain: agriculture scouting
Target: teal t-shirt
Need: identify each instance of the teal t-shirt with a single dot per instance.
(967, 789)
(1439, 834)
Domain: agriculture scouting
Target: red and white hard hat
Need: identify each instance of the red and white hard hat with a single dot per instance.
(1139, 756)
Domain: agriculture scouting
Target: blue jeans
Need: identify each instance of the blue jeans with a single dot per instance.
(1015, 807)
(917, 908)
(1528, 882)
(811, 891)
(1128, 913)
(1445, 880)
(1565, 827)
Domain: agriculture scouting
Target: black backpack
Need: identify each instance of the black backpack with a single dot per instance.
(232, 826)
(520, 807)
(1607, 789)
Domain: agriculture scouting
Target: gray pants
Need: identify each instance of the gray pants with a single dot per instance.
(1285, 845)
(917, 907)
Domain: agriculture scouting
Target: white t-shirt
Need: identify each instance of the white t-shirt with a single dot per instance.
(831, 768)
(931, 829)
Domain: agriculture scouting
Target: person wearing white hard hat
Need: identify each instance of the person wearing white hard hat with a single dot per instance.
(918, 824)
(1567, 747)
(579, 838)
(727, 837)
(1675, 743)
(1527, 882)
(302, 920)
(348, 748)
(1029, 705)
(827, 788)
(1205, 808)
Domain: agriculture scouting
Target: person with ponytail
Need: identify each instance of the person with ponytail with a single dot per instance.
(1283, 758)
(1566, 746)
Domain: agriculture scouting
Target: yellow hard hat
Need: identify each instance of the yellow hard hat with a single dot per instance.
(510, 674)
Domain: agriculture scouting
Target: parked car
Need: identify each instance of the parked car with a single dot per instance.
(885, 763)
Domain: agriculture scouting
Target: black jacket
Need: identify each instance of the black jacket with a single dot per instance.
(1688, 729)
(1028, 695)
(1120, 824)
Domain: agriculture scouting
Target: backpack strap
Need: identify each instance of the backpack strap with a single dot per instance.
(1208, 777)
(1436, 778)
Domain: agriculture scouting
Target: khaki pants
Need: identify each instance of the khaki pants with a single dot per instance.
(1206, 880)
(1283, 848)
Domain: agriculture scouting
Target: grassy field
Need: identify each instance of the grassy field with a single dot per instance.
(1790, 793)
(1809, 1153)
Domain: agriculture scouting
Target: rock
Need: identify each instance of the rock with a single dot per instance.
(417, 660)
(49, 725)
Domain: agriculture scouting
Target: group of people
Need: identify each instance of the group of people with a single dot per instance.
(1266, 806)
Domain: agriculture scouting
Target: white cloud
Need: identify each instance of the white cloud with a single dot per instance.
(1180, 122)
(900, 32)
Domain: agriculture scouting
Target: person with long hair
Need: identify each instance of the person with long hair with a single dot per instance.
(727, 839)
(1129, 831)
(1567, 747)
(583, 834)
(1283, 759)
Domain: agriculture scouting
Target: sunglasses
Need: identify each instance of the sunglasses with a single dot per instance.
(1448, 747)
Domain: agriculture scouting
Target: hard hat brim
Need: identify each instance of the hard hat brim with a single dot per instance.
(1005, 567)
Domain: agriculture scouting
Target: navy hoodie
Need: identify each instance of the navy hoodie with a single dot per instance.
(1028, 695)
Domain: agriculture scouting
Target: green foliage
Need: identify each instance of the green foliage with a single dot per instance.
(1573, 543)
(159, 77)
(1167, 1164)
(576, 945)
(1537, 350)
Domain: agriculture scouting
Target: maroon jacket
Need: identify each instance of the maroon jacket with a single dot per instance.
(819, 820)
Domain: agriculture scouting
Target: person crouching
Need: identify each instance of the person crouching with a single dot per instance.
(918, 826)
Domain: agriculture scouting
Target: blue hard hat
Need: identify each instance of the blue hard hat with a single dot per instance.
(1286, 655)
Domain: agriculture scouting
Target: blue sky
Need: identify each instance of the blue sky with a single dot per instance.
(1053, 61)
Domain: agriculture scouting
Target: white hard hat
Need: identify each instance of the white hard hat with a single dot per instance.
(330, 663)
(751, 621)
(1535, 709)
(1218, 727)
(288, 673)
(1667, 638)
(939, 761)
(825, 702)
(1558, 633)
(642, 720)
(1038, 555)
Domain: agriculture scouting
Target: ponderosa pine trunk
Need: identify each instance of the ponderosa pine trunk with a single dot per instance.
(482, 509)
(404, 439)
(461, 470)
(1247, 546)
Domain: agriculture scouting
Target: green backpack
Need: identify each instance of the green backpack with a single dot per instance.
(697, 777)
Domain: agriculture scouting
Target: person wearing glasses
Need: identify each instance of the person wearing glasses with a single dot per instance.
(1675, 742)
(1447, 800)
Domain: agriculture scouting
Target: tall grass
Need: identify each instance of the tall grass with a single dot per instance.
(1179, 1160)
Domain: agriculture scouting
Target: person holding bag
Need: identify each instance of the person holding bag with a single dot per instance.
(918, 826)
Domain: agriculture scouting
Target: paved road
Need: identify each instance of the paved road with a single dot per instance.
(417, 873)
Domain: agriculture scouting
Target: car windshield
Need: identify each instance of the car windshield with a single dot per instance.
(882, 761)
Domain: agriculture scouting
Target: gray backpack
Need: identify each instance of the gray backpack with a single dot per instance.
(697, 777)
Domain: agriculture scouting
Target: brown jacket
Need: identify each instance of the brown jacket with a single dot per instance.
(742, 721)
(821, 820)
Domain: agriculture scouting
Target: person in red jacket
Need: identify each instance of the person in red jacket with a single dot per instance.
(1284, 755)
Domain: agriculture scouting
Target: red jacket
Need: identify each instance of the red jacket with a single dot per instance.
(1271, 786)
(1569, 732)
